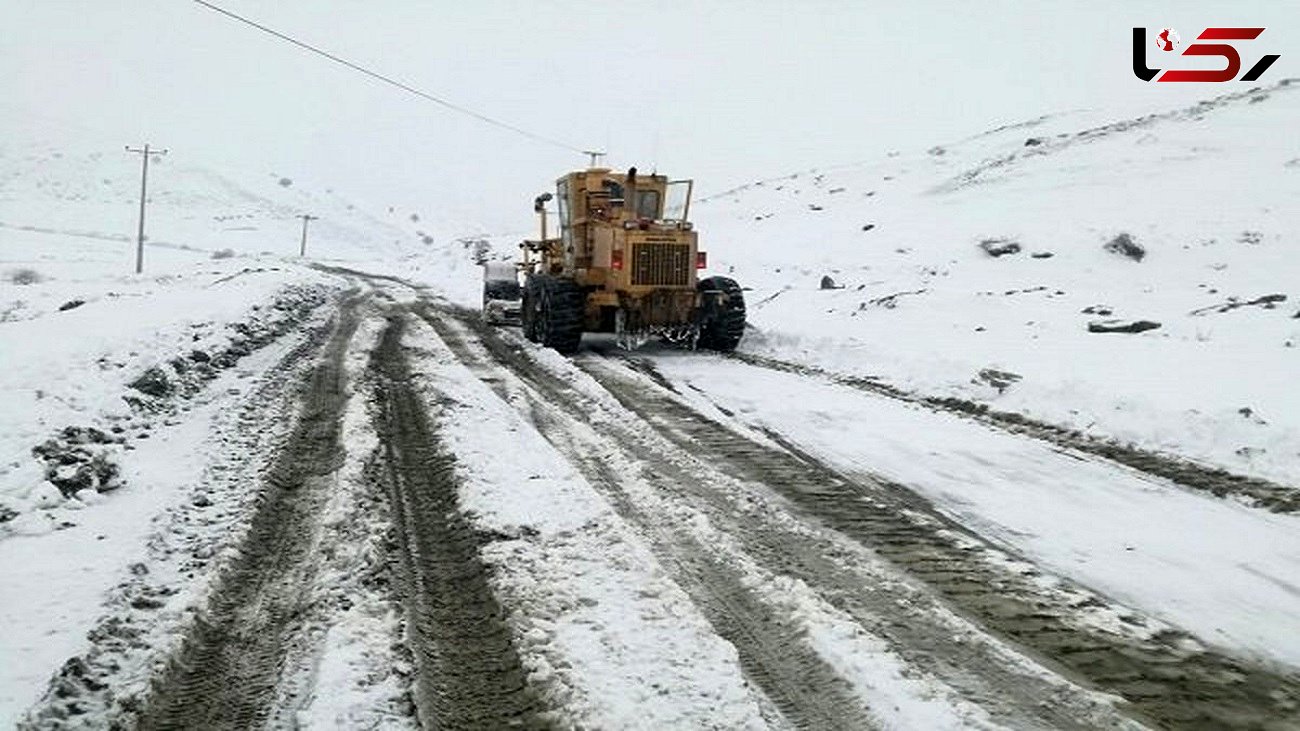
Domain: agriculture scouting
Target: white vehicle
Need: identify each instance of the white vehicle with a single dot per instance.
(502, 295)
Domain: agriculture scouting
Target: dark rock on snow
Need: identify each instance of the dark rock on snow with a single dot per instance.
(999, 247)
(1125, 245)
(1121, 326)
(153, 382)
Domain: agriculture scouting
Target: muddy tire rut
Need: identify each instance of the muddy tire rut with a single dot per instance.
(1168, 679)
(804, 688)
(468, 672)
(228, 667)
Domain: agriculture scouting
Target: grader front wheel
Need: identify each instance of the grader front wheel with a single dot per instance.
(553, 312)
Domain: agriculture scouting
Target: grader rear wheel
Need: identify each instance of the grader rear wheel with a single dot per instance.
(722, 314)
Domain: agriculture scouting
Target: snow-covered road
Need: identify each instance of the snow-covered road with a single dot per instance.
(404, 517)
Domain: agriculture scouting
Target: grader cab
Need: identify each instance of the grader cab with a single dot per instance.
(626, 261)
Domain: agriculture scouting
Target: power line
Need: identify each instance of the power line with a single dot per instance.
(387, 80)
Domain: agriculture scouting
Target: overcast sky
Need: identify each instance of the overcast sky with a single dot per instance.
(724, 92)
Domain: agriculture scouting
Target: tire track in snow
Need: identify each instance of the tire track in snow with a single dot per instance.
(227, 670)
(1168, 679)
(468, 672)
(1254, 491)
(802, 686)
(1166, 676)
(105, 681)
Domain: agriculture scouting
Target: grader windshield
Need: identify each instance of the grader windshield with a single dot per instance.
(678, 205)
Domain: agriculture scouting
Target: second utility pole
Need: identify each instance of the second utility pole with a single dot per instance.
(144, 182)
(302, 250)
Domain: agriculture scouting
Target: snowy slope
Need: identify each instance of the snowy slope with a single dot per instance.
(54, 192)
(77, 326)
(1212, 195)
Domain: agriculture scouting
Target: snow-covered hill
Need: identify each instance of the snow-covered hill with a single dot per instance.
(56, 194)
(1210, 194)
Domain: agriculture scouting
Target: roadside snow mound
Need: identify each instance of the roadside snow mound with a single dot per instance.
(1139, 276)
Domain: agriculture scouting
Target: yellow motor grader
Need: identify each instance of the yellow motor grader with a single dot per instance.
(626, 261)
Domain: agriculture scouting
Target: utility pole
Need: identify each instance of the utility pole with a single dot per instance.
(302, 250)
(144, 154)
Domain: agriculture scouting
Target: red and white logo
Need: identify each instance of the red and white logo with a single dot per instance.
(1167, 39)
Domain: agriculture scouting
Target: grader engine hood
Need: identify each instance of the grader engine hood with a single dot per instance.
(659, 260)
(662, 263)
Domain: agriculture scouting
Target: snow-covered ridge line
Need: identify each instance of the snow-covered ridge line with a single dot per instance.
(1253, 95)
(1035, 146)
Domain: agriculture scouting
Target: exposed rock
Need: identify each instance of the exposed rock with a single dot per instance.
(1125, 245)
(1121, 326)
(153, 382)
(71, 466)
(1097, 310)
(828, 283)
(1033, 141)
(146, 602)
(86, 435)
(1000, 247)
(71, 305)
(890, 301)
(24, 276)
(1001, 380)
(105, 472)
(1268, 302)
(1042, 255)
